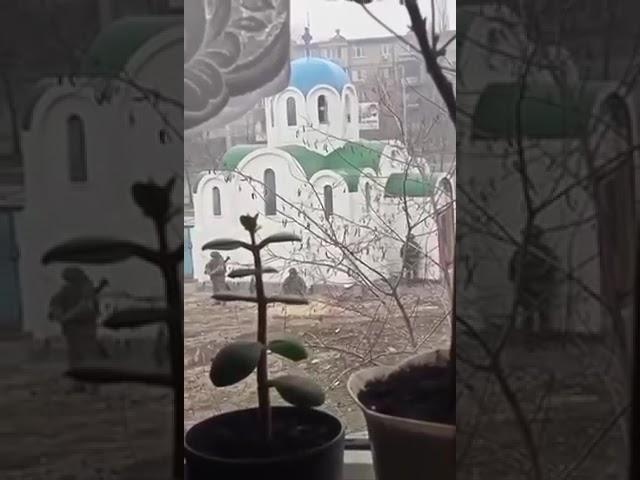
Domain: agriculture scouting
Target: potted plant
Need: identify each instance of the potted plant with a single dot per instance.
(289, 442)
(410, 408)
(410, 415)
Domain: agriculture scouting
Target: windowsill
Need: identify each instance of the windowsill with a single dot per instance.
(358, 465)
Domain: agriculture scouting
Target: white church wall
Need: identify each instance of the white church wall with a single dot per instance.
(351, 125)
(574, 309)
(320, 249)
(395, 159)
(283, 133)
(398, 215)
(334, 103)
(56, 205)
(246, 188)
(576, 248)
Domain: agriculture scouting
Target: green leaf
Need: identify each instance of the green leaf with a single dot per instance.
(225, 244)
(137, 317)
(279, 238)
(250, 272)
(242, 297)
(289, 347)
(250, 223)
(288, 300)
(235, 297)
(234, 362)
(95, 250)
(298, 391)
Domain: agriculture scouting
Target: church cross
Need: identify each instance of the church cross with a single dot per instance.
(306, 38)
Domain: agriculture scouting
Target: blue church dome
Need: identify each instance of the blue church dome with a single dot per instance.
(306, 73)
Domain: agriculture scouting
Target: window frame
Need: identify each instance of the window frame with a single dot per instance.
(347, 108)
(327, 202)
(216, 201)
(358, 52)
(77, 138)
(291, 108)
(270, 193)
(323, 110)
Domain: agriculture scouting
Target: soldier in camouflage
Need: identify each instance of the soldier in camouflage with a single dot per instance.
(410, 253)
(75, 308)
(538, 281)
(216, 269)
(294, 284)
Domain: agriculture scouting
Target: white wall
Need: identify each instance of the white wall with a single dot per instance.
(283, 134)
(57, 211)
(377, 240)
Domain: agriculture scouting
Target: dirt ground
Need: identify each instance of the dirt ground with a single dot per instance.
(44, 434)
(340, 338)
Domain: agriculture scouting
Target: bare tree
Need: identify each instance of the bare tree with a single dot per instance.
(561, 184)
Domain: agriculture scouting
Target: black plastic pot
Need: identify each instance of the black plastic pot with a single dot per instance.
(321, 462)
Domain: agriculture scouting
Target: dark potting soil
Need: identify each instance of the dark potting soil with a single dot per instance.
(239, 436)
(417, 392)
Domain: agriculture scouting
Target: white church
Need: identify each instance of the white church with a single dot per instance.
(315, 177)
(593, 120)
(68, 155)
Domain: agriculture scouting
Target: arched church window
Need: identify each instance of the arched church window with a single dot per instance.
(347, 108)
(367, 196)
(328, 201)
(217, 208)
(291, 112)
(77, 149)
(271, 114)
(270, 203)
(323, 110)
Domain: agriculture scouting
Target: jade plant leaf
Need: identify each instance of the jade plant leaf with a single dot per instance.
(298, 391)
(235, 297)
(279, 238)
(137, 317)
(288, 300)
(95, 250)
(234, 362)
(225, 244)
(288, 347)
(250, 272)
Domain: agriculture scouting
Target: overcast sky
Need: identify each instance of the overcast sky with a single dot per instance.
(326, 16)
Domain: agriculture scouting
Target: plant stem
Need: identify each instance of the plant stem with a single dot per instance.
(176, 335)
(452, 353)
(634, 444)
(264, 402)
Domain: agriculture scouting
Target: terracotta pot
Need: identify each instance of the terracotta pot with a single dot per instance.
(405, 449)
